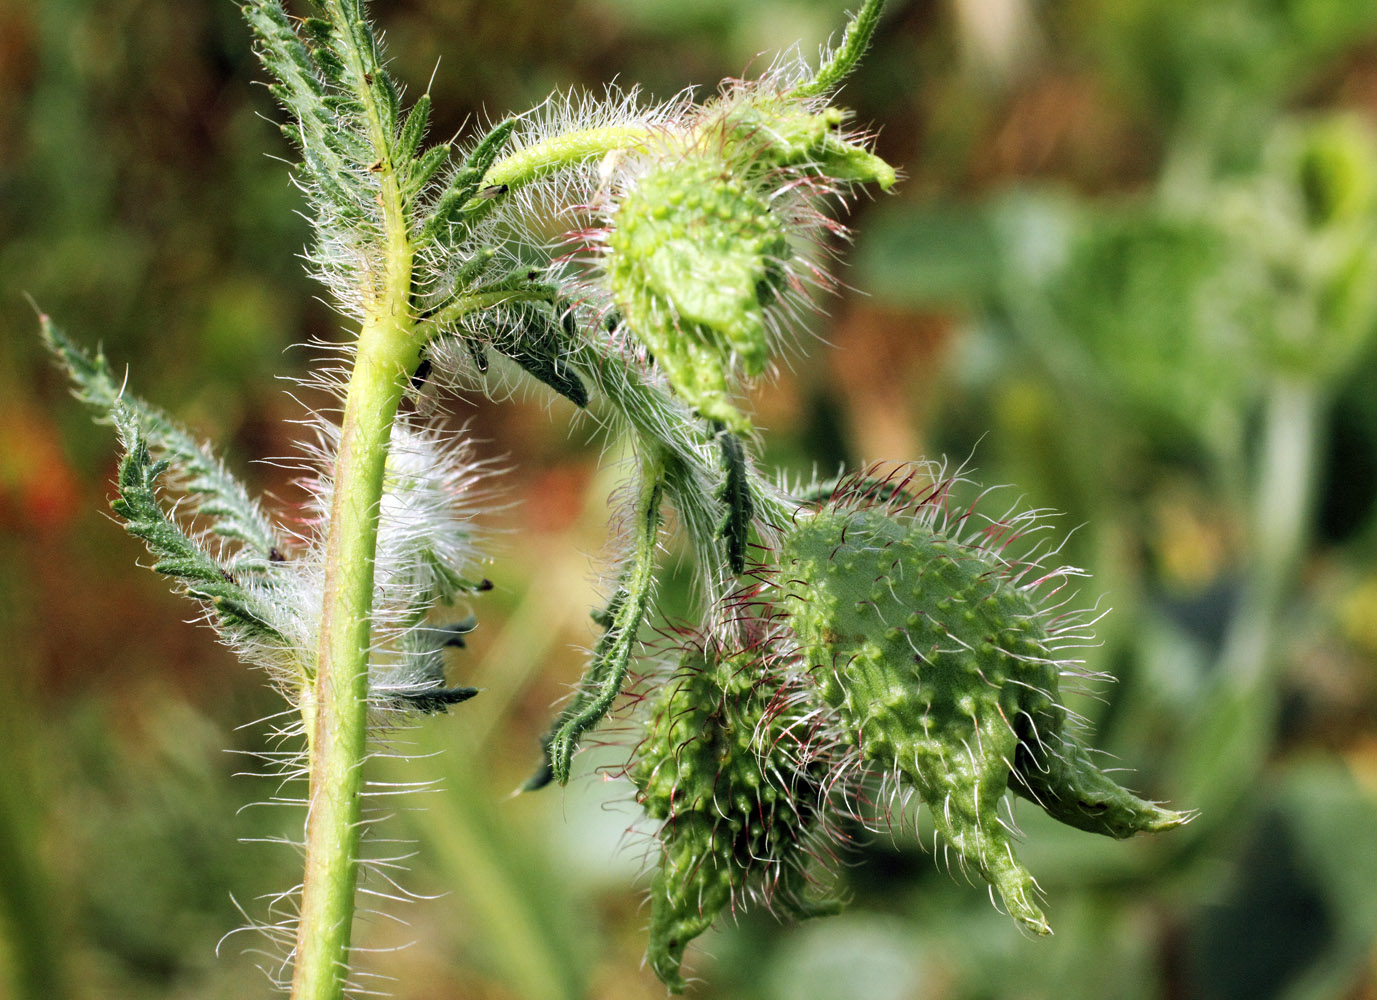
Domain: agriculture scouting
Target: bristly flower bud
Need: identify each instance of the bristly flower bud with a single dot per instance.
(693, 256)
(733, 766)
(712, 233)
(943, 658)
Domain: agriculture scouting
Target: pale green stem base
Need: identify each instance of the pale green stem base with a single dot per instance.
(334, 708)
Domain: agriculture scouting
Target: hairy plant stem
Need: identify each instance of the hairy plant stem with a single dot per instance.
(334, 702)
(543, 158)
(335, 705)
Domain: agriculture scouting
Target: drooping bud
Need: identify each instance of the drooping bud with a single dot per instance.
(732, 767)
(694, 255)
(943, 660)
(710, 242)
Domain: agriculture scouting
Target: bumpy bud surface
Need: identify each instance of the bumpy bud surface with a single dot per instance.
(693, 256)
(712, 233)
(729, 769)
(945, 668)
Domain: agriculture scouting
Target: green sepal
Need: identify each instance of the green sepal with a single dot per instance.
(687, 894)
(1059, 776)
(871, 490)
(735, 494)
(722, 770)
(784, 133)
(535, 343)
(695, 254)
(892, 619)
(853, 163)
(945, 669)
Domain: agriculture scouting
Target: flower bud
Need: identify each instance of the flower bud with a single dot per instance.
(694, 255)
(944, 666)
(712, 232)
(732, 771)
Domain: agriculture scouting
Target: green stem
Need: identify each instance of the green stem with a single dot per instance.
(334, 707)
(334, 703)
(1282, 503)
(544, 158)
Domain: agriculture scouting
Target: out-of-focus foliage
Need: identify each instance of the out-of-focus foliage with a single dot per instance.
(1131, 271)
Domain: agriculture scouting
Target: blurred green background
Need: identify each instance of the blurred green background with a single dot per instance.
(1132, 272)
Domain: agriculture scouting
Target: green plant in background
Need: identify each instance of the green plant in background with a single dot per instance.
(848, 635)
(1179, 356)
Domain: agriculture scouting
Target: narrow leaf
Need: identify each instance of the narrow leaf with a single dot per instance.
(238, 613)
(216, 493)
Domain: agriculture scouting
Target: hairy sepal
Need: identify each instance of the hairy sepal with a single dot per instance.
(712, 234)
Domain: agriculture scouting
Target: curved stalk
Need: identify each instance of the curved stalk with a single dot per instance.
(549, 156)
(541, 159)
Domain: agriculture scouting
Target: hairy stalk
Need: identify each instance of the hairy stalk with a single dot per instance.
(550, 155)
(334, 709)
